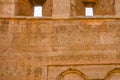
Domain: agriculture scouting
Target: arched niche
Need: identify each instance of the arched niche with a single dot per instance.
(113, 74)
(100, 7)
(26, 7)
(71, 74)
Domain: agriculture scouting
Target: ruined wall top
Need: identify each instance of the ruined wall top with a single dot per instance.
(60, 8)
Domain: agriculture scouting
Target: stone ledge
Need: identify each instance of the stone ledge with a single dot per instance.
(57, 18)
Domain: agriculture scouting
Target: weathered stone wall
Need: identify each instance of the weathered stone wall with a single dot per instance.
(24, 8)
(117, 7)
(47, 8)
(77, 8)
(104, 7)
(101, 7)
(58, 8)
(59, 49)
(61, 8)
(51, 49)
(7, 8)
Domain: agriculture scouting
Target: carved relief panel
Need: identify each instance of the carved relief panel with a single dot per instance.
(114, 74)
(37, 73)
(71, 74)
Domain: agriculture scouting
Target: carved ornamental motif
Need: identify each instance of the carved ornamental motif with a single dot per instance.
(71, 74)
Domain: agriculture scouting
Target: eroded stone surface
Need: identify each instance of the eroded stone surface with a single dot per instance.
(67, 46)
(34, 49)
(59, 8)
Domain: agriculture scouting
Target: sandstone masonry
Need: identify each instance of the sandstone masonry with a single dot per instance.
(63, 44)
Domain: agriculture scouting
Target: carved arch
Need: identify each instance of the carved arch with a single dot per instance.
(69, 71)
(112, 72)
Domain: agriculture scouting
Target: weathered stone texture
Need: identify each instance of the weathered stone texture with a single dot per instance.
(47, 8)
(117, 6)
(32, 49)
(61, 7)
(101, 7)
(60, 47)
(77, 8)
(7, 8)
(104, 7)
(24, 8)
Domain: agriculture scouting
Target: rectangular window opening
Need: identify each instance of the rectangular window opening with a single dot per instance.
(89, 11)
(38, 11)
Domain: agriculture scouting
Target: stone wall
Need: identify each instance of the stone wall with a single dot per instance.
(77, 48)
(77, 8)
(7, 8)
(104, 7)
(101, 7)
(58, 8)
(24, 8)
(56, 49)
(47, 8)
(117, 7)
(61, 8)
